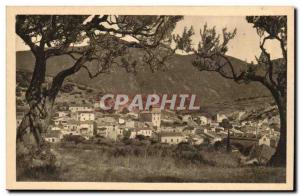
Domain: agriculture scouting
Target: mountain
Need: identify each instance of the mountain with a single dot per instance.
(180, 77)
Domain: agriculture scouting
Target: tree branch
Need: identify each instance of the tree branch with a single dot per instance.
(269, 61)
(23, 35)
(59, 78)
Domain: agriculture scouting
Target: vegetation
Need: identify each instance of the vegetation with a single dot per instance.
(67, 88)
(211, 56)
(102, 160)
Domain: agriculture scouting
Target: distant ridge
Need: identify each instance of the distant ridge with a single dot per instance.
(180, 77)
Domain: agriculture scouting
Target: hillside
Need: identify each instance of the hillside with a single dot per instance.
(180, 77)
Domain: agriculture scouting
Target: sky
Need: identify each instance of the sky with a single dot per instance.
(244, 46)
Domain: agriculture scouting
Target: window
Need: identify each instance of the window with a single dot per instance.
(166, 140)
(171, 140)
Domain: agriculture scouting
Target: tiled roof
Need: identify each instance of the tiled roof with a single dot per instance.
(171, 134)
(99, 124)
(80, 105)
(142, 128)
(72, 121)
(86, 122)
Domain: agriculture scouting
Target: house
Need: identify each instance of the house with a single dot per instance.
(55, 128)
(186, 118)
(101, 131)
(202, 130)
(154, 116)
(109, 130)
(86, 128)
(85, 116)
(240, 115)
(61, 120)
(265, 139)
(147, 116)
(204, 120)
(133, 115)
(121, 121)
(61, 114)
(172, 137)
(62, 106)
(53, 136)
(214, 124)
(132, 134)
(220, 117)
(115, 133)
(189, 130)
(72, 124)
(145, 131)
(130, 124)
(172, 129)
(81, 108)
(56, 121)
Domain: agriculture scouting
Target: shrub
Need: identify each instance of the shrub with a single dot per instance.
(105, 142)
(220, 159)
(140, 137)
(185, 151)
(218, 145)
(74, 138)
(67, 88)
(89, 90)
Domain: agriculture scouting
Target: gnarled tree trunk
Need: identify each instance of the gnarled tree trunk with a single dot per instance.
(31, 149)
(279, 158)
(36, 120)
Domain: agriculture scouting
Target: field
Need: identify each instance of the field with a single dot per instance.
(94, 163)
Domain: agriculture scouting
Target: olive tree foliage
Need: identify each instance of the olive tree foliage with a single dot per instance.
(104, 46)
(212, 56)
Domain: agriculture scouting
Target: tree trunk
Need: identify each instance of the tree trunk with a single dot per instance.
(39, 103)
(36, 120)
(279, 158)
(32, 153)
(31, 150)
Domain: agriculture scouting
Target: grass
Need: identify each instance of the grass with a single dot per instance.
(86, 163)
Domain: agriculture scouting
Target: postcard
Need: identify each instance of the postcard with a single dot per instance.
(150, 98)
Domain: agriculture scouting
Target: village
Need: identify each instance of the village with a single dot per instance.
(87, 121)
(83, 116)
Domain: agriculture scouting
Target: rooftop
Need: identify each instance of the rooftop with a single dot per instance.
(171, 134)
(142, 128)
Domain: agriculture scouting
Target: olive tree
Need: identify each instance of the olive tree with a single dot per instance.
(104, 45)
(211, 56)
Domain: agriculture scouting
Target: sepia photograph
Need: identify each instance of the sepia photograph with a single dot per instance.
(150, 98)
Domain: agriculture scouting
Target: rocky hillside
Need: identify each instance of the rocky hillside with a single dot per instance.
(180, 77)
